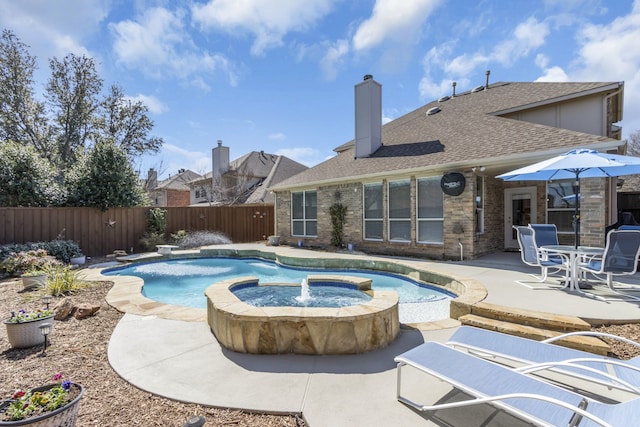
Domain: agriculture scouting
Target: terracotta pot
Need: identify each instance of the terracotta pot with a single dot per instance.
(27, 334)
(62, 417)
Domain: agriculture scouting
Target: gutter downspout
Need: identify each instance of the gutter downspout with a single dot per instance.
(461, 250)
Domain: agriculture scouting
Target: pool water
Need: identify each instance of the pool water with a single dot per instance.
(291, 296)
(183, 281)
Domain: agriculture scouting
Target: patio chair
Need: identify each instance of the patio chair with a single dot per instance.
(545, 234)
(599, 373)
(620, 258)
(532, 256)
(525, 397)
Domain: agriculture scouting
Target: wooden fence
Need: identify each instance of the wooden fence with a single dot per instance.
(100, 233)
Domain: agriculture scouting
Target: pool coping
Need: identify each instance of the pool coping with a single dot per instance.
(126, 292)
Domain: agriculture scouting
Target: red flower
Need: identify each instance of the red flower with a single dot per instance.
(18, 394)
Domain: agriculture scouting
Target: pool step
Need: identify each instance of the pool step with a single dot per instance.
(530, 324)
(536, 319)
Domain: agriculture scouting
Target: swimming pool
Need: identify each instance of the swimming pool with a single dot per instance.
(183, 281)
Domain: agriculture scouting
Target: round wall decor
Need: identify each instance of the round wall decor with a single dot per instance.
(452, 183)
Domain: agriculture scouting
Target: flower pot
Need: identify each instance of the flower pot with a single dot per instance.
(273, 240)
(62, 417)
(78, 260)
(29, 282)
(27, 334)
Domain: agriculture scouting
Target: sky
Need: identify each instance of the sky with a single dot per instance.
(278, 75)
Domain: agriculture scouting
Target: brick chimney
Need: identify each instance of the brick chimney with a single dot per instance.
(219, 160)
(368, 100)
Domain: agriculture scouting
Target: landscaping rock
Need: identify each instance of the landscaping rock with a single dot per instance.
(63, 309)
(84, 310)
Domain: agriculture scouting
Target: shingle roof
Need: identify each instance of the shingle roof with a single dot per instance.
(179, 181)
(467, 130)
(283, 169)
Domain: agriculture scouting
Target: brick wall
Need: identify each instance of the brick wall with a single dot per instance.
(178, 198)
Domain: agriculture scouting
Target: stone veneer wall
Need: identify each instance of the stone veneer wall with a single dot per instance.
(301, 330)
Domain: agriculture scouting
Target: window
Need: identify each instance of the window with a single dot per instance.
(430, 214)
(304, 214)
(400, 211)
(561, 204)
(373, 211)
(480, 204)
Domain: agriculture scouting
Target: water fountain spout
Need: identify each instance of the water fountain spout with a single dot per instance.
(305, 295)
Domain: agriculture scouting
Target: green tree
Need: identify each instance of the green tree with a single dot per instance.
(128, 123)
(26, 179)
(104, 178)
(72, 94)
(22, 117)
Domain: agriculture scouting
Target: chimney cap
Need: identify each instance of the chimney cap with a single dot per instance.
(367, 77)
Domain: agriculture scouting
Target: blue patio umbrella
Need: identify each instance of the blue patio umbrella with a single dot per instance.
(577, 164)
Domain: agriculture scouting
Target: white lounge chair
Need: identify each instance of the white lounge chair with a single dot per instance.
(526, 397)
(530, 356)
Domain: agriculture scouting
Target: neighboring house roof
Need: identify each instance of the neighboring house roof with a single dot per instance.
(177, 182)
(263, 169)
(467, 130)
(283, 168)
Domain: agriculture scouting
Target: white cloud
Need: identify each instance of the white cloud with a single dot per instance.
(267, 22)
(154, 104)
(393, 20)
(158, 44)
(527, 36)
(333, 58)
(553, 74)
(49, 27)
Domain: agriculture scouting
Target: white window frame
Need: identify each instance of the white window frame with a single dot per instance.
(366, 220)
(391, 219)
(420, 220)
(304, 220)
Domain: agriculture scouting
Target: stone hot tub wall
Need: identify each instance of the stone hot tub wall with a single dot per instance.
(302, 330)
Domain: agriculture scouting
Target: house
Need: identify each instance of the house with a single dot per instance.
(172, 191)
(243, 181)
(424, 184)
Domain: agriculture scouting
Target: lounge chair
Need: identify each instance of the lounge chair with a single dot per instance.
(538, 357)
(532, 256)
(526, 397)
(620, 257)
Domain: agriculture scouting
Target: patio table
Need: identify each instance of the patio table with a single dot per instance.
(575, 255)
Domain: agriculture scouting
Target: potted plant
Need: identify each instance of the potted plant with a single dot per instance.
(54, 404)
(33, 278)
(77, 258)
(23, 327)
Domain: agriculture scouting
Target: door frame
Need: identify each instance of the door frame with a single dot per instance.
(509, 193)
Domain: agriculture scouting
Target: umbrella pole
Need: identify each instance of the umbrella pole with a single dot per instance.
(576, 215)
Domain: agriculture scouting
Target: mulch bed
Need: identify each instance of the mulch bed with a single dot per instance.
(79, 351)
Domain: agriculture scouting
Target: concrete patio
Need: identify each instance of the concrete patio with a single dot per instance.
(182, 360)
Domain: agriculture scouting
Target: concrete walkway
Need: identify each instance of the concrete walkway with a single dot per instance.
(182, 360)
